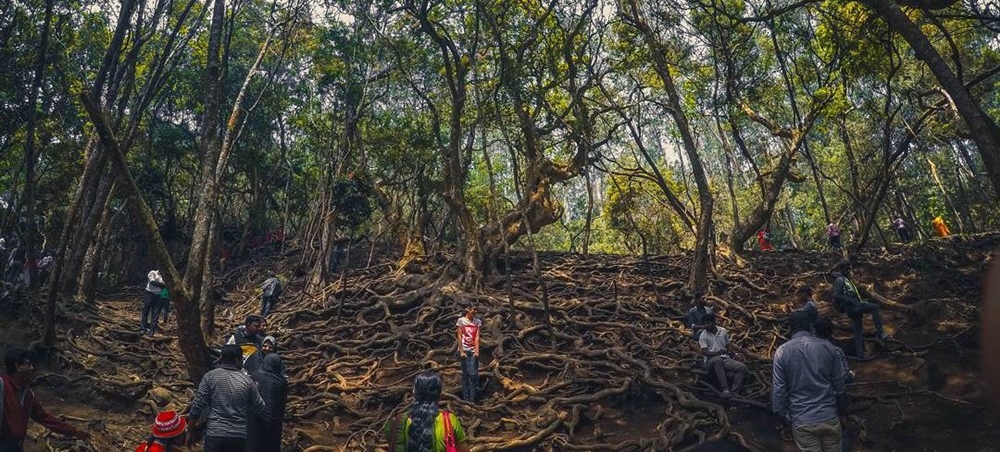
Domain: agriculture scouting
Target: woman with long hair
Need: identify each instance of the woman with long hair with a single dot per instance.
(426, 428)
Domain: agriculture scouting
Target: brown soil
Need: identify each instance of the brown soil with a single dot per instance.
(619, 377)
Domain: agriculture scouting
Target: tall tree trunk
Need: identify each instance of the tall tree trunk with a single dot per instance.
(190, 338)
(96, 252)
(210, 147)
(30, 159)
(29, 165)
(983, 129)
(86, 229)
(698, 280)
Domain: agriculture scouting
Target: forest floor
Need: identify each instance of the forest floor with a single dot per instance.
(621, 374)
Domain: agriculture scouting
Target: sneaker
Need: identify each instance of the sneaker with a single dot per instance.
(882, 335)
(726, 394)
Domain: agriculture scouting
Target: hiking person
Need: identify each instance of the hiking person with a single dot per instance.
(44, 267)
(270, 291)
(696, 315)
(847, 299)
(764, 239)
(249, 337)
(426, 428)
(272, 384)
(468, 350)
(804, 303)
(833, 234)
(715, 346)
(940, 227)
(18, 403)
(150, 314)
(808, 388)
(902, 232)
(227, 396)
(166, 435)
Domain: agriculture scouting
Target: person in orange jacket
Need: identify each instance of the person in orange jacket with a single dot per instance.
(940, 227)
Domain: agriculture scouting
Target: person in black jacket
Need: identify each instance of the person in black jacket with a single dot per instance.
(265, 427)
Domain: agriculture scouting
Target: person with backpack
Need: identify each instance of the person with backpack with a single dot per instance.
(468, 350)
(270, 291)
(426, 428)
(250, 338)
(165, 303)
(227, 397)
(18, 404)
(150, 314)
(166, 434)
(847, 299)
(272, 384)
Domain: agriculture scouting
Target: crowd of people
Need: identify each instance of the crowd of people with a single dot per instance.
(240, 405)
(834, 233)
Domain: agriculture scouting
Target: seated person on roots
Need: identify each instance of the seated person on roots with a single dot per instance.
(714, 343)
(847, 299)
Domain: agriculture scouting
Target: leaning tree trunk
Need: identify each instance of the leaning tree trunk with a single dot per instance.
(189, 335)
(982, 128)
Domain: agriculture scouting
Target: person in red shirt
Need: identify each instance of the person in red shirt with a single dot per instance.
(20, 404)
(764, 239)
(166, 435)
(468, 351)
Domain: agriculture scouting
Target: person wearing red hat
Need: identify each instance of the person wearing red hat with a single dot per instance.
(166, 435)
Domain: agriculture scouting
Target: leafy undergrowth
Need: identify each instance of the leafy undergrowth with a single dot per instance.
(620, 374)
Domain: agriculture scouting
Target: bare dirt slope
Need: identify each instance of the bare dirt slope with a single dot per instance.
(620, 374)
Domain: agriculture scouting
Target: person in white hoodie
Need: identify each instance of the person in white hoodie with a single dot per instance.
(151, 303)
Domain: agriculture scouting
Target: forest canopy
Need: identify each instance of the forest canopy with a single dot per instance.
(182, 134)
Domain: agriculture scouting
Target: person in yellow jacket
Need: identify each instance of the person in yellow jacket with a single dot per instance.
(940, 227)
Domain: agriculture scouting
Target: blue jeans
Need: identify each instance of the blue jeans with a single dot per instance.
(858, 325)
(470, 376)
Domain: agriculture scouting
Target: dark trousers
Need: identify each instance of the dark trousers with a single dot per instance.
(835, 242)
(223, 444)
(150, 316)
(7, 445)
(470, 376)
(265, 436)
(267, 305)
(903, 234)
(723, 364)
(858, 324)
